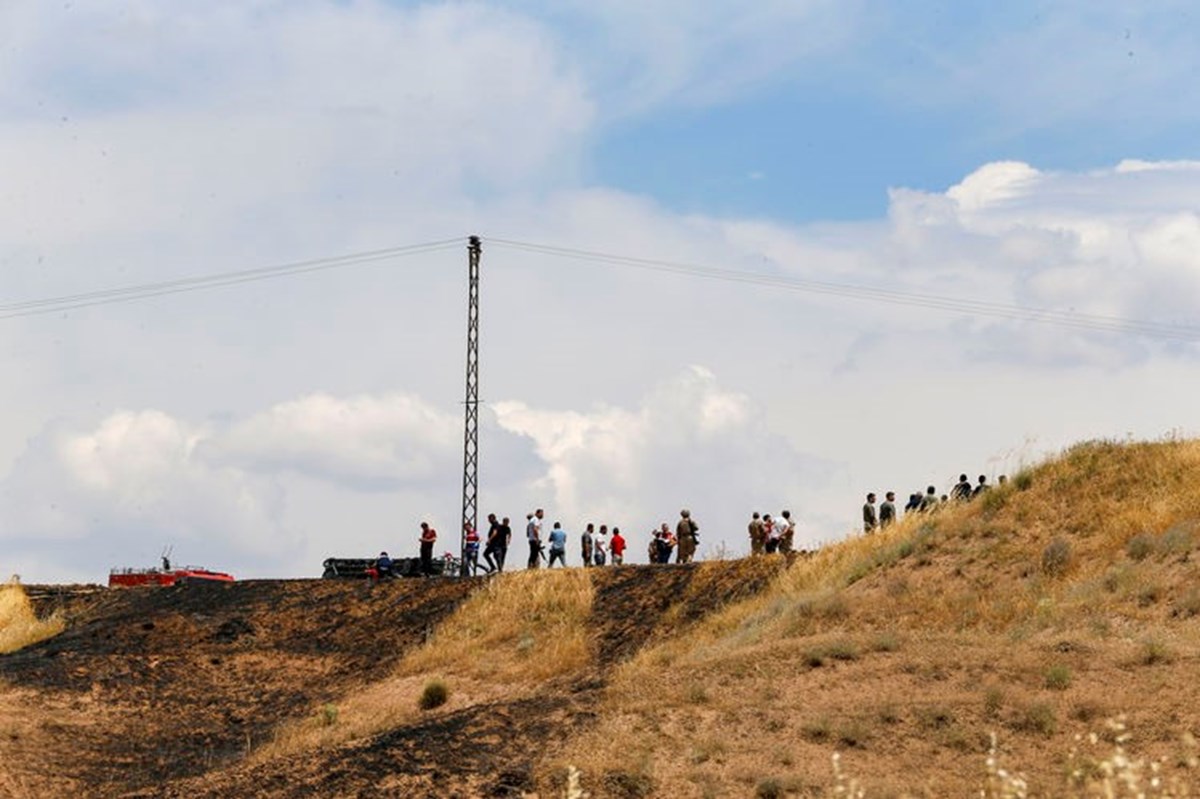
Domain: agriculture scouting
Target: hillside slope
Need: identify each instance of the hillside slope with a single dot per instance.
(1035, 613)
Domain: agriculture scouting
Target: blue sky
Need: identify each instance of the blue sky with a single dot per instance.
(916, 96)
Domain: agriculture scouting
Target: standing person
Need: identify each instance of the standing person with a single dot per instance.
(914, 502)
(428, 537)
(558, 545)
(788, 537)
(652, 551)
(962, 489)
(505, 539)
(758, 535)
(471, 550)
(600, 546)
(929, 502)
(491, 547)
(685, 535)
(617, 547)
(666, 542)
(587, 542)
(983, 486)
(869, 520)
(533, 532)
(773, 534)
(887, 511)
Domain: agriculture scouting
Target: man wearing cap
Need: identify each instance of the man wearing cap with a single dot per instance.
(685, 535)
(758, 535)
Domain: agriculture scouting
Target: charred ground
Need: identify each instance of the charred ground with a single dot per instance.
(170, 691)
(1039, 613)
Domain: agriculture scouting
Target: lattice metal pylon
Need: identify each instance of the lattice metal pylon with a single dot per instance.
(470, 495)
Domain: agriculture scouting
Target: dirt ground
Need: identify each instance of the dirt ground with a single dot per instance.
(170, 691)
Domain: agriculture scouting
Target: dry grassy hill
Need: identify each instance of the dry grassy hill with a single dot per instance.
(1034, 617)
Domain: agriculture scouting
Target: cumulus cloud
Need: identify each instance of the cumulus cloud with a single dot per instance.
(146, 143)
(373, 443)
(689, 443)
(81, 501)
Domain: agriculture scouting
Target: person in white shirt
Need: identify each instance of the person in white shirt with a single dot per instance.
(774, 533)
(533, 531)
(600, 546)
(788, 534)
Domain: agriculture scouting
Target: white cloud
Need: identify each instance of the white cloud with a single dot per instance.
(81, 501)
(223, 135)
(689, 443)
(365, 442)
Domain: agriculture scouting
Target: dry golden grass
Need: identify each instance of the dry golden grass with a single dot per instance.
(19, 625)
(504, 641)
(1034, 576)
(522, 628)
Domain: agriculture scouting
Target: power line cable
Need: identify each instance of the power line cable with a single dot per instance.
(197, 283)
(1071, 319)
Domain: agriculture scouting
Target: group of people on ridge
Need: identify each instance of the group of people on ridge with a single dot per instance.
(596, 545)
(682, 541)
(769, 535)
(927, 502)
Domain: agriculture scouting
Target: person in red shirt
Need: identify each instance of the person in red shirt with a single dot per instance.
(471, 552)
(617, 547)
(428, 538)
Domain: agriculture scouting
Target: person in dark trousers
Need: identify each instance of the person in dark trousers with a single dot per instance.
(505, 542)
(664, 543)
(492, 548)
(558, 546)
(428, 538)
(887, 511)
(870, 522)
(533, 532)
(586, 542)
(773, 534)
(600, 546)
(471, 550)
(962, 489)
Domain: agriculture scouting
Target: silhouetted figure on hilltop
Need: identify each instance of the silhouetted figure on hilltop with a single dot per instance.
(686, 536)
(887, 511)
(428, 537)
(962, 489)
(868, 513)
(788, 537)
(930, 501)
(758, 535)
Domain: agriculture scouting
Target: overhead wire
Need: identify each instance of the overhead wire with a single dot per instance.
(201, 282)
(1071, 319)
(892, 296)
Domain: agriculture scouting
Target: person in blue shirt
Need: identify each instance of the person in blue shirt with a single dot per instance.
(558, 545)
(383, 566)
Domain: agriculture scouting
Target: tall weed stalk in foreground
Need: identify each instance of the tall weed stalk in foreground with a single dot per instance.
(19, 625)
